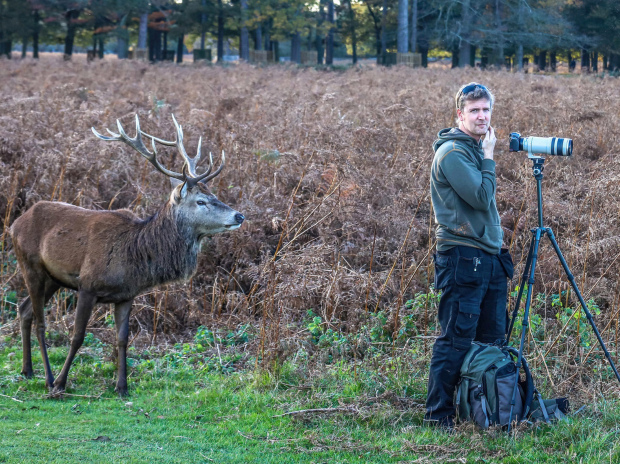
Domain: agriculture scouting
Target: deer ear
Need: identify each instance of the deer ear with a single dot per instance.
(182, 191)
(175, 182)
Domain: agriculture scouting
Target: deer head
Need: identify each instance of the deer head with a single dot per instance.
(195, 207)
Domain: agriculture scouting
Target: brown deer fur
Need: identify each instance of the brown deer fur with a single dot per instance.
(108, 257)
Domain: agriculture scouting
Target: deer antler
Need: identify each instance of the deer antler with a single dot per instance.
(137, 144)
(188, 175)
(189, 169)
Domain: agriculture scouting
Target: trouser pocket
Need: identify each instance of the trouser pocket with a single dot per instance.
(467, 320)
(506, 261)
(468, 271)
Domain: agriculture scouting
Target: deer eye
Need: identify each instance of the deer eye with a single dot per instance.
(201, 203)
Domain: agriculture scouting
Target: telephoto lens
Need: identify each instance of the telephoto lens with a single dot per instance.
(541, 145)
(548, 146)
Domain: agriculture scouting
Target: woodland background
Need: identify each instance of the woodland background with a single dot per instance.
(490, 32)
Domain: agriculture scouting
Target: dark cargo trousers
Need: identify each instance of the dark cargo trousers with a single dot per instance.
(472, 307)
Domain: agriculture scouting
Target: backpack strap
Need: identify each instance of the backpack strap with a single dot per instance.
(529, 389)
(485, 406)
(543, 408)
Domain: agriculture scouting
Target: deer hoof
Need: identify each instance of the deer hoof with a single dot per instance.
(122, 391)
(28, 374)
(56, 392)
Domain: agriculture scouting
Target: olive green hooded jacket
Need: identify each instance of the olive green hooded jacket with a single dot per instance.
(463, 194)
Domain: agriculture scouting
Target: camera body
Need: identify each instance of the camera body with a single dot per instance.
(541, 145)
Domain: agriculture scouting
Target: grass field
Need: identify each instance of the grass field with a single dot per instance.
(181, 413)
(323, 299)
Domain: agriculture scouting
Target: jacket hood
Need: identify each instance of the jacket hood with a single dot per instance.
(453, 133)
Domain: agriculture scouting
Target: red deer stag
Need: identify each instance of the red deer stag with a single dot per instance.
(112, 256)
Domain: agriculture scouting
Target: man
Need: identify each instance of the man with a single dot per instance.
(470, 265)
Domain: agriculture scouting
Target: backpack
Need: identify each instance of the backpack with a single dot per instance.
(484, 391)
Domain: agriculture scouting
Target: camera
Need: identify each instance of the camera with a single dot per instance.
(541, 145)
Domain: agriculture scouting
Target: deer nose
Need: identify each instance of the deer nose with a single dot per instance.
(239, 218)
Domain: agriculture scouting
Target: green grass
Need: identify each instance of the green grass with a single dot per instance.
(183, 408)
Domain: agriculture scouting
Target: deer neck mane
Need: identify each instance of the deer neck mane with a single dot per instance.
(164, 249)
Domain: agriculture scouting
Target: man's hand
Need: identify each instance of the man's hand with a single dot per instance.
(488, 144)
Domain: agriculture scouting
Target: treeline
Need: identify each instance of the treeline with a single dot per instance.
(498, 32)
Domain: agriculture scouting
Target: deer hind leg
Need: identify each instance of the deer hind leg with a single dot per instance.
(85, 304)
(37, 283)
(26, 316)
(121, 319)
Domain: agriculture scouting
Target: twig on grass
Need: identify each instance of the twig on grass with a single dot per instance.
(317, 411)
(62, 394)
(14, 399)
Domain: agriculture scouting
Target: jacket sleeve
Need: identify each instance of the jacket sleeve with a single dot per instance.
(475, 186)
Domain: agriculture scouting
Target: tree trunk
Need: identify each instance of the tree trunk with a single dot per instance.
(319, 40)
(585, 61)
(383, 31)
(519, 55)
(542, 60)
(275, 46)
(154, 45)
(24, 46)
(70, 17)
(414, 26)
(180, 49)
(329, 46)
(267, 41)
(464, 53)
(35, 35)
(101, 42)
(595, 61)
(121, 38)
(121, 51)
(552, 61)
(605, 63)
(142, 31)
(296, 48)
(244, 40)
(402, 40)
(258, 38)
(164, 48)
(499, 54)
(353, 32)
(455, 56)
(377, 25)
(203, 25)
(220, 31)
(472, 56)
(424, 52)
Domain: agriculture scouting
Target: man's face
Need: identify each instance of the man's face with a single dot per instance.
(475, 118)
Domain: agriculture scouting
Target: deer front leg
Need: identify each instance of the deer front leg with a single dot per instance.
(121, 319)
(85, 304)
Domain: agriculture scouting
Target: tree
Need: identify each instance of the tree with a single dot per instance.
(329, 45)
(403, 26)
(599, 22)
(244, 41)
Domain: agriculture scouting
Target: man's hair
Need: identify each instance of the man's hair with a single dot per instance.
(470, 92)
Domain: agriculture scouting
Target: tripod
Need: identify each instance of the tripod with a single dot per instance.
(528, 277)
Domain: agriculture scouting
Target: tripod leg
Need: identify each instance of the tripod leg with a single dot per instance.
(571, 279)
(524, 277)
(528, 301)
